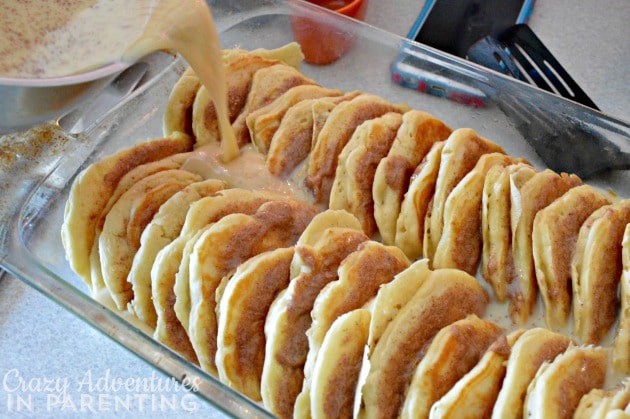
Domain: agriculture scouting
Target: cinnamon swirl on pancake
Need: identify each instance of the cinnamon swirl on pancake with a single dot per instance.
(334, 135)
(162, 230)
(554, 237)
(221, 248)
(541, 190)
(119, 240)
(416, 203)
(241, 312)
(559, 385)
(92, 190)
(352, 187)
(461, 241)
(596, 270)
(402, 344)
(459, 156)
(453, 351)
(497, 263)
(417, 134)
(264, 122)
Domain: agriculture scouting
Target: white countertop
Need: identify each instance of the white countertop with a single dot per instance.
(40, 341)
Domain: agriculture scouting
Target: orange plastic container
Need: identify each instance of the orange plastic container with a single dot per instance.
(324, 43)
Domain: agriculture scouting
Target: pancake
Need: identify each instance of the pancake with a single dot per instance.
(415, 204)
(497, 264)
(242, 310)
(352, 187)
(293, 140)
(201, 214)
(264, 122)
(334, 135)
(124, 223)
(533, 348)
(417, 134)
(168, 329)
(225, 245)
(453, 352)
(402, 344)
(596, 270)
(239, 72)
(92, 189)
(461, 241)
(558, 386)
(474, 395)
(337, 368)
(459, 156)
(541, 190)
(322, 224)
(394, 295)
(315, 265)
(621, 348)
(169, 273)
(554, 237)
(268, 83)
(361, 274)
(163, 229)
(178, 112)
(602, 404)
(240, 67)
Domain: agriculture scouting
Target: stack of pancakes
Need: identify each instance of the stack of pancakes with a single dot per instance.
(371, 297)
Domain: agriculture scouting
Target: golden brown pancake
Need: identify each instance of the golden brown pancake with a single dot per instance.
(242, 310)
(337, 368)
(402, 344)
(268, 83)
(603, 404)
(475, 394)
(315, 265)
(541, 190)
(238, 73)
(596, 270)
(92, 189)
(497, 264)
(558, 386)
(417, 134)
(531, 349)
(461, 241)
(168, 329)
(229, 242)
(554, 236)
(334, 135)
(352, 187)
(124, 223)
(414, 207)
(453, 352)
(264, 122)
(178, 112)
(621, 348)
(169, 273)
(459, 156)
(200, 215)
(163, 229)
(240, 67)
(393, 296)
(361, 274)
(293, 140)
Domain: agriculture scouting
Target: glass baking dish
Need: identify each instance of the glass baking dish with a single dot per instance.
(38, 166)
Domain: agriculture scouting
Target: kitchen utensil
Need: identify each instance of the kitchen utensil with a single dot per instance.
(518, 52)
(82, 118)
(27, 102)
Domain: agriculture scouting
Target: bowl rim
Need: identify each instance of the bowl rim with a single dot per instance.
(72, 79)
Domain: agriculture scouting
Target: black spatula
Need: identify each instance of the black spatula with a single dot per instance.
(518, 52)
